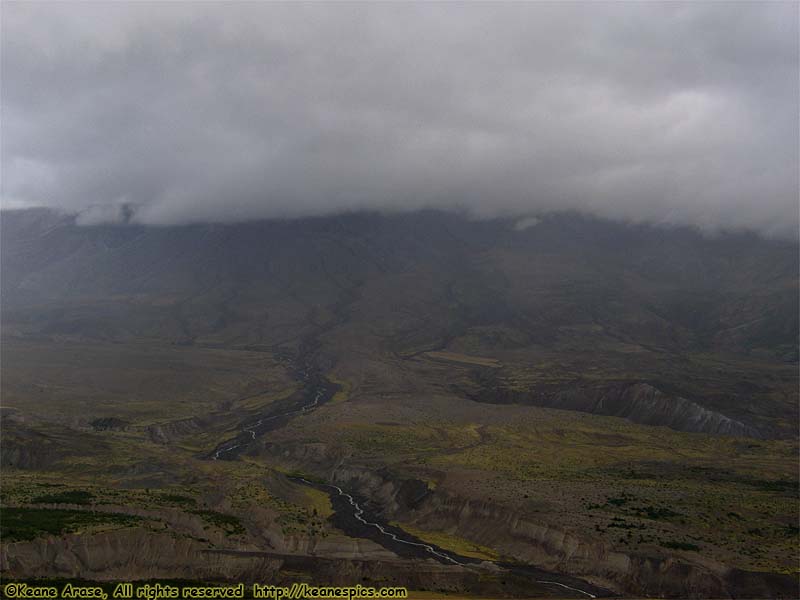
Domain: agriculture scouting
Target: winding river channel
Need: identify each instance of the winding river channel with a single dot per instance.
(350, 515)
(317, 390)
(354, 519)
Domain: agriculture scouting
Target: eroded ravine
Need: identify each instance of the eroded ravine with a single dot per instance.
(353, 518)
(317, 390)
(350, 515)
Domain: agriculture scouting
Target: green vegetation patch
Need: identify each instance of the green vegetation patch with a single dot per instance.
(681, 546)
(623, 499)
(451, 542)
(65, 497)
(178, 499)
(228, 523)
(303, 522)
(774, 485)
(29, 523)
(656, 513)
(343, 393)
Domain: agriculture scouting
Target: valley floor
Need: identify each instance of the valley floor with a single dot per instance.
(106, 479)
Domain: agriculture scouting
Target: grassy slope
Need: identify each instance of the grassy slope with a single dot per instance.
(639, 488)
(143, 384)
(54, 390)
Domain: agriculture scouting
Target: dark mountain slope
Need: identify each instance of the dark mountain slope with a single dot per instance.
(708, 321)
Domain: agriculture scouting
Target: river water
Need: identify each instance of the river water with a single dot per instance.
(317, 390)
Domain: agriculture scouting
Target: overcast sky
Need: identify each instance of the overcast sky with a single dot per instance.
(666, 113)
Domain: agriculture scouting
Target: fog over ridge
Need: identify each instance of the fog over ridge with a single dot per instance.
(678, 113)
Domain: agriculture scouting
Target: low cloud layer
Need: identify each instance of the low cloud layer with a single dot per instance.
(181, 112)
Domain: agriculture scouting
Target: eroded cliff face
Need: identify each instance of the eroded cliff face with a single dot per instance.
(645, 404)
(187, 549)
(638, 402)
(337, 546)
(139, 554)
(166, 433)
(522, 539)
(24, 447)
(133, 553)
(554, 549)
(528, 542)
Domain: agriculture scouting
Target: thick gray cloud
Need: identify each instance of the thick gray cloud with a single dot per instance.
(667, 113)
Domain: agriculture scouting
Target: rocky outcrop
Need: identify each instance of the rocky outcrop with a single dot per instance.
(165, 433)
(637, 402)
(645, 404)
(336, 546)
(23, 447)
(28, 456)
